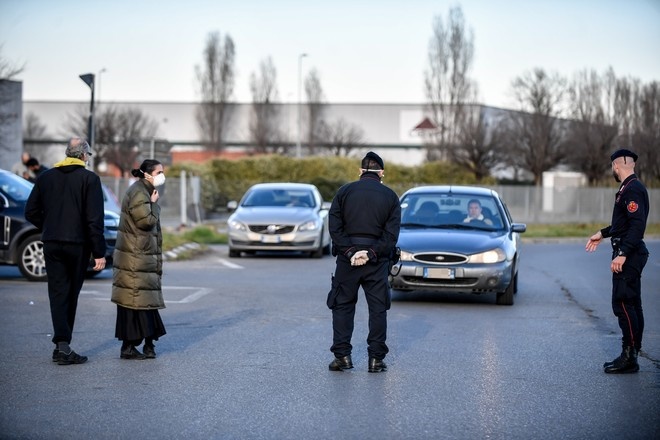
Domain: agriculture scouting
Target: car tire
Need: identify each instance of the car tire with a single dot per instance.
(317, 253)
(31, 260)
(234, 254)
(506, 298)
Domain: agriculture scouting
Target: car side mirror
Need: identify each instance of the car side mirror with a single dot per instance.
(518, 227)
(326, 206)
(232, 205)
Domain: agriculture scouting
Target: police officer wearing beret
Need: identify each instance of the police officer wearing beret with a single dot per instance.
(629, 256)
(364, 222)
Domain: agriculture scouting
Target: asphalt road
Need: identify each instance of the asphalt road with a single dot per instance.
(247, 350)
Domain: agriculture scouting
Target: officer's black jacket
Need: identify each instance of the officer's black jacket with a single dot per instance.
(631, 211)
(365, 210)
(66, 204)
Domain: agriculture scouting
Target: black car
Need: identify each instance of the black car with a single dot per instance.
(457, 239)
(20, 241)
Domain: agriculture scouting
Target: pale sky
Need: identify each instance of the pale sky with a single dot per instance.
(366, 51)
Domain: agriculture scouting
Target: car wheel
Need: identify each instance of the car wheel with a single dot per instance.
(234, 254)
(317, 253)
(31, 261)
(506, 298)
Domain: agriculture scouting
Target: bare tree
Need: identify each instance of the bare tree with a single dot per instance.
(447, 82)
(315, 107)
(480, 142)
(8, 69)
(120, 131)
(538, 136)
(216, 84)
(646, 129)
(342, 137)
(593, 126)
(33, 129)
(264, 132)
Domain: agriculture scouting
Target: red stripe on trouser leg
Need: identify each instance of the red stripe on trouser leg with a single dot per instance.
(632, 335)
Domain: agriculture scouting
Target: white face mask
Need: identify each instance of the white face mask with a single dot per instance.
(159, 179)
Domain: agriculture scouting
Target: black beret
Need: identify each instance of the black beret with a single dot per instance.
(623, 153)
(376, 158)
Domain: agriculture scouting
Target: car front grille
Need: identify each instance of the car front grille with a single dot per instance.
(440, 258)
(431, 282)
(271, 229)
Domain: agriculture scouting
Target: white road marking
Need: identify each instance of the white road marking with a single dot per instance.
(229, 264)
(190, 298)
(196, 294)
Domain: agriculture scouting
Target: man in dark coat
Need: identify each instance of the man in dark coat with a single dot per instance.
(364, 222)
(66, 204)
(629, 256)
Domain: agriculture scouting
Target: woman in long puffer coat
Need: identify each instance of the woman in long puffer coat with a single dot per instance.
(138, 265)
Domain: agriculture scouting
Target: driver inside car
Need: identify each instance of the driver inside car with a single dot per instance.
(474, 213)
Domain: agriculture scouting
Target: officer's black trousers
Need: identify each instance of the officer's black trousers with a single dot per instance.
(627, 298)
(343, 298)
(66, 265)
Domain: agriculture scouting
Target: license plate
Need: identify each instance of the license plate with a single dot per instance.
(270, 238)
(439, 273)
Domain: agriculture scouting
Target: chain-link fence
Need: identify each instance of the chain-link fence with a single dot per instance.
(527, 204)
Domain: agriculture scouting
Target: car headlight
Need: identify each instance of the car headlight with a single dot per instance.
(406, 256)
(311, 225)
(236, 225)
(488, 257)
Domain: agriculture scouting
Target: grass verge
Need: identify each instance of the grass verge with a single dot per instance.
(569, 230)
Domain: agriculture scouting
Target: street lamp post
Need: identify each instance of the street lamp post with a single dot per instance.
(98, 81)
(300, 57)
(88, 78)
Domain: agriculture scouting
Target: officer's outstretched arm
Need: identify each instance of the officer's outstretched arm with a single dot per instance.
(594, 241)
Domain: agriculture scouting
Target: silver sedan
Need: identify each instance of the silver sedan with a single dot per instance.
(279, 217)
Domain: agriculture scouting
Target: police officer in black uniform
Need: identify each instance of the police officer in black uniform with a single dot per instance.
(364, 224)
(629, 256)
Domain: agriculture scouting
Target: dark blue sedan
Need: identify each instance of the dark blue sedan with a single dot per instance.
(457, 239)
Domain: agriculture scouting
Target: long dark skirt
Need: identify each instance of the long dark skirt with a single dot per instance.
(135, 325)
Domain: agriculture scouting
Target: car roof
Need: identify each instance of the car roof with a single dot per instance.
(283, 185)
(448, 189)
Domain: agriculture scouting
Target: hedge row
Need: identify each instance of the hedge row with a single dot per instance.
(224, 180)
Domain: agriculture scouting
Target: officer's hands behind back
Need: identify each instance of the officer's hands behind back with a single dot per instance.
(360, 258)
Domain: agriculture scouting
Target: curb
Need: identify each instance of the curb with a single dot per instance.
(174, 253)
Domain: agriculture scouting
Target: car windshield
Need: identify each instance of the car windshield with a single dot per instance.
(450, 211)
(280, 197)
(15, 187)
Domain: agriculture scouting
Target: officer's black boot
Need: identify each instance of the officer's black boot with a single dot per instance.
(626, 363)
(610, 363)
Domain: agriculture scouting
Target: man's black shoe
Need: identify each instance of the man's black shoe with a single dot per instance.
(624, 364)
(56, 355)
(71, 358)
(149, 351)
(341, 363)
(376, 365)
(131, 352)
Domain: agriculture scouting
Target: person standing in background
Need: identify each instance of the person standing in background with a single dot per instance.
(66, 205)
(629, 256)
(20, 168)
(34, 170)
(138, 265)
